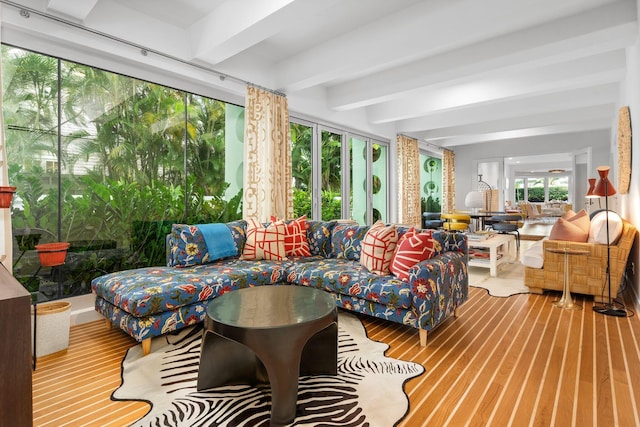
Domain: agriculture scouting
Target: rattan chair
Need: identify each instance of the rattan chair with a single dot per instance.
(587, 273)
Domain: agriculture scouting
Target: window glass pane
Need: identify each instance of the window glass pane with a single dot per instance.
(215, 134)
(30, 98)
(331, 175)
(301, 160)
(519, 187)
(379, 182)
(135, 158)
(535, 189)
(559, 188)
(431, 183)
(358, 181)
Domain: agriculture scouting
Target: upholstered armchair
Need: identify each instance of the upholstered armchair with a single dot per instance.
(587, 274)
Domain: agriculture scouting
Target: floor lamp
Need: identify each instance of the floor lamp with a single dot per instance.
(591, 193)
(606, 189)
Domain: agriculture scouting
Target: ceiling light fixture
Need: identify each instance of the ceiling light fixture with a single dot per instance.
(556, 170)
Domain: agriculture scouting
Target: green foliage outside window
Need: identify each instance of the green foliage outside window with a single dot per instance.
(124, 159)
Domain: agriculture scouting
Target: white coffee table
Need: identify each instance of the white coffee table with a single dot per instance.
(501, 249)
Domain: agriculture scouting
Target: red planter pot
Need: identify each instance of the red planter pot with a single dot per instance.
(6, 195)
(52, 254)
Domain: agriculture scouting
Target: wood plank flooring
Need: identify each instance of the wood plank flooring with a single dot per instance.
(504, 361)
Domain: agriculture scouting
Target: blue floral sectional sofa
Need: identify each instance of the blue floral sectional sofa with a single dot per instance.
(148, 302)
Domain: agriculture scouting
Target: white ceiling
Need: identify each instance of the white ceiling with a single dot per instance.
(449, 72)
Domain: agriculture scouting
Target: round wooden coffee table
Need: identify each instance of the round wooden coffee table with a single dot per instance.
(270, 334)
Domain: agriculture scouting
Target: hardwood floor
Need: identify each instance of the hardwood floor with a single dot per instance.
(503, 361)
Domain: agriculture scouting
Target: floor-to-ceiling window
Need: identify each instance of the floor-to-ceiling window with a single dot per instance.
(107, 163)
(331, 174)
(338, 174)
(368, 183)
(302, 168)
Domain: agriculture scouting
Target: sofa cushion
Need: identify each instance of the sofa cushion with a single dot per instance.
(347, 277)
(378, 247)
(413, 247)
(188, 244)
(151, 290)
(319, 237)
(346, 240)
(534, 256)
(265, 242)
(598, 231)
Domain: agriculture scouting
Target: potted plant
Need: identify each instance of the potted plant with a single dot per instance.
(6, 195)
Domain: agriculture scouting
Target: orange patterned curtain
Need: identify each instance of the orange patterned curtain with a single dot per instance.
(448, 181)
(409, 206)
(267, 156)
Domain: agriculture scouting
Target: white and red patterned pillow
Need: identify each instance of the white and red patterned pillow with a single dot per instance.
(295, 241)
(413, 247)
(378, 247)
(265, 242)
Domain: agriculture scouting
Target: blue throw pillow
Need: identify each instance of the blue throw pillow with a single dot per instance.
(200, 244)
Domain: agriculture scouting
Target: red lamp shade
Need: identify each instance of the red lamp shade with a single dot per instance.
(604, 187)
(592, 187)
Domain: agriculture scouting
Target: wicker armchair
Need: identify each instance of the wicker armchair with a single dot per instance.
(587, 273)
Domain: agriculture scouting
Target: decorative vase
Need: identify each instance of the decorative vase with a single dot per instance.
(52, 254)
(6, 195)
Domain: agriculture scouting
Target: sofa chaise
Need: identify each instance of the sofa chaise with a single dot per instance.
(152, 301)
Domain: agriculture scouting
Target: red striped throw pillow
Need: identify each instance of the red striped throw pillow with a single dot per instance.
(265, 242)
(378, 246)
(413, 247)
(295, 241)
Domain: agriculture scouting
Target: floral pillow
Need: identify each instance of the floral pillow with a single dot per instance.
(188, 245)
(346, 240)
(295, 242)
(265, 242)
(378, 247)
(319, 237)
(413, 247)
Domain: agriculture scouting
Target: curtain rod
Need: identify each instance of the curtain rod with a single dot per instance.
(26, 11)
(432, 145)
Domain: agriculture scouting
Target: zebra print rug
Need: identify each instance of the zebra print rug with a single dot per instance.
(368, 390)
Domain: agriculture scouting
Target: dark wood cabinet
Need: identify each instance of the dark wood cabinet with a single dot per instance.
(16, 405)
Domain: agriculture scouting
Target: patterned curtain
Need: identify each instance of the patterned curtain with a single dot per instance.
(5, 228)
(267, 156)
(448, 181)
(409, 181)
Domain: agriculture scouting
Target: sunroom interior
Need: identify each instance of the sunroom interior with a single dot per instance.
(121, 118)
